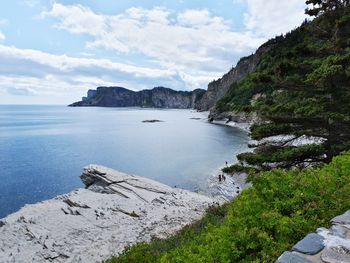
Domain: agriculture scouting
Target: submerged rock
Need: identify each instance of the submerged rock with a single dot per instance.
(151, 121)
(93, 224)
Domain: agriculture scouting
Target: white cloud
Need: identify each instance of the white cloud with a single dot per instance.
(202, 18)
(273, 17)
(27, 72)
(2, 36)
(192, 41)
(65, 63)
(156, 15)
(77, 19)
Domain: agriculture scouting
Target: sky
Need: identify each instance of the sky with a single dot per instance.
(52, 52)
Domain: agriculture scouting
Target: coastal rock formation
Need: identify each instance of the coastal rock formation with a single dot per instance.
(93, 224)
(158, 97)
(234, 119)
(218, 88)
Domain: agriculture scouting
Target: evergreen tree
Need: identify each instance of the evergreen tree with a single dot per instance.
(324, 6)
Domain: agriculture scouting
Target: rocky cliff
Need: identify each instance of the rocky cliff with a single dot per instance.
(218, 88)
(158, 97)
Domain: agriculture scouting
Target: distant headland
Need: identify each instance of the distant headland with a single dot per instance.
(158, 97)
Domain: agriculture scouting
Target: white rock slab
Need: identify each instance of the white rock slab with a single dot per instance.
(93, 224)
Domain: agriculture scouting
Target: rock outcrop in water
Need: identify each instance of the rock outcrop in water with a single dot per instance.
(93, 224)
(158, 97)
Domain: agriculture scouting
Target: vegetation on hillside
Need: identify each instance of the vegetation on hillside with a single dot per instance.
(320, 7)
(265, 220)
(301, 87)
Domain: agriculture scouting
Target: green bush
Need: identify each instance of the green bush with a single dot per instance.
(265, 220)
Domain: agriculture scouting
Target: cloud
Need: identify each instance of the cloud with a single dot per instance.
(30, 72)
(202, 18)
(2, 36)
(19, 91)
(77, 19)
(191, 41)
(66, 64)
(274, 17)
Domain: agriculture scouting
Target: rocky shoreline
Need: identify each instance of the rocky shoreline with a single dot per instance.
(115, 210)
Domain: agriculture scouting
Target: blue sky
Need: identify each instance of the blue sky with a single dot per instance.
(51, 52)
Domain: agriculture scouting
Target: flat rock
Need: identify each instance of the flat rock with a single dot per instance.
(93, 224)
(332, 256)
(339, 230)
(342, 219)
(335, 240)
(310, 245)
(289, 257)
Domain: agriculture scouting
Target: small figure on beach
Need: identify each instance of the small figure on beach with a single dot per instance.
(226, 164)
(223, 177)
(220, 178)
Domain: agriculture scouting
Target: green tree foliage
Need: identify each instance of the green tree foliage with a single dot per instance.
(265, 220)
(324, 6)
(303, 84)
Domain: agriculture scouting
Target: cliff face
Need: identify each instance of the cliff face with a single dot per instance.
(158, 97)
(218, 88)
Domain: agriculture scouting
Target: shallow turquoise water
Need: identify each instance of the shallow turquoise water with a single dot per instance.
(44, 148)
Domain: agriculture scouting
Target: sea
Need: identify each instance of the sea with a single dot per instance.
(43, 149)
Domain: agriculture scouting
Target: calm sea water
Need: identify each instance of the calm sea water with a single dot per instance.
(44, 148)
